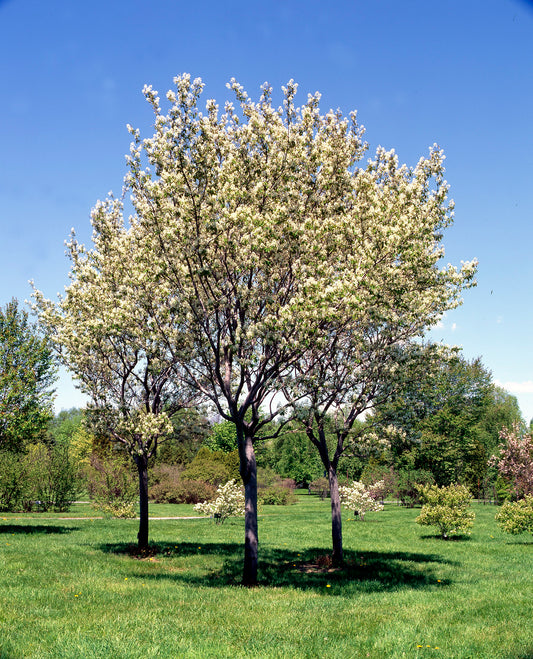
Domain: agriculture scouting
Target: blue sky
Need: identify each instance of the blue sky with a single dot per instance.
(459, 73)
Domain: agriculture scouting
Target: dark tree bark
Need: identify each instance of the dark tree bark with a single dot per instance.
(249, 478)
(336, 519)
(142, 468)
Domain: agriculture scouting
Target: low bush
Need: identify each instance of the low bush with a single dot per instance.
(276, 495)
(214, 467)
(516, 516)
(228, 503)
(170, 487)
(447, 508)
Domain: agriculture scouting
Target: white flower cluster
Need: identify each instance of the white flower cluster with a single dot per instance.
(229, 503)
(359, 499)
(148, 425)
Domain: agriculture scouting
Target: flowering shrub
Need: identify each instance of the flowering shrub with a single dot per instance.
(229, 503)
(515, 462)
(361, 499)
(116, 509)
(517, 516)
(446, 508)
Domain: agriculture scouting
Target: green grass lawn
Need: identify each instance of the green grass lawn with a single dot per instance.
(71, 588)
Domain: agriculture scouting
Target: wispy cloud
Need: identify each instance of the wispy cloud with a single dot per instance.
(525, 387)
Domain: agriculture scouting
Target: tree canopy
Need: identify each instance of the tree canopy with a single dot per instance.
(258, 242)
(27, 374)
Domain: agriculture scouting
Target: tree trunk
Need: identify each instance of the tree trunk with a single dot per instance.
(142, 468)
(336, 520)
(249, 477)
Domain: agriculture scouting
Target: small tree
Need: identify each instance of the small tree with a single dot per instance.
(106, 331)
(446, 508)
(112, 486)
(229, 503)
(361, 499)
(516, 460)
(408, 485)
(516, 516)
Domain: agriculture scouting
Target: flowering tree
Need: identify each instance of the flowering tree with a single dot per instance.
(361, 499)
(262, 241)
(280, 249)
(104, 330)
(229, 503)
(516, 460)
(241, 212)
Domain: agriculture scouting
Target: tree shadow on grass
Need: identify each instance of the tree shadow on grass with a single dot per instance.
(518, 543)
(311, 569)
(11, 529)
(459, 537)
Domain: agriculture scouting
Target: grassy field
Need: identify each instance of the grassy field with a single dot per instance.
(71, 588)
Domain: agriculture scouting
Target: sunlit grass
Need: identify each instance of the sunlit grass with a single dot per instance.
(72, 588)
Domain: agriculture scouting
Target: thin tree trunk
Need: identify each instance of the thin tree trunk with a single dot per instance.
(142, 468)
(249, 477)
(336, 520)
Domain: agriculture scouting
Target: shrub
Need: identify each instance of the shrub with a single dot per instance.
(12, 482)
(229, 503)
(408, 483)
(53, 479)
(169, 487)
(41, 479)
(516, 516)
(276, 495)
(112, 486)
(274, 490)
(446, 508)
(209, 466)
(360, 499)
(187, 491)
(319, 486)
